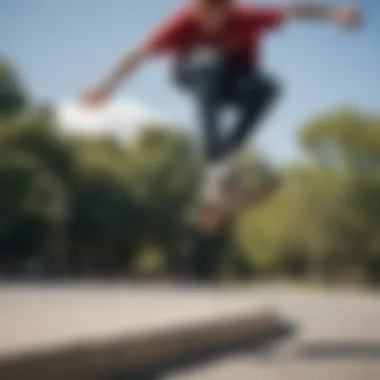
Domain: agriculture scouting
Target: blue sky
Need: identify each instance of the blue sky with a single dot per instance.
(61, 46)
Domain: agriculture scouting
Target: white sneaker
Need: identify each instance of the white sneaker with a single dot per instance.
(215, 177)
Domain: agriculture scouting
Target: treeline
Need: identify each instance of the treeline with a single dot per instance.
(98, 206)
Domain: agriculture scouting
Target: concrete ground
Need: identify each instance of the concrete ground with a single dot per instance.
(38, 316)
(335, 335)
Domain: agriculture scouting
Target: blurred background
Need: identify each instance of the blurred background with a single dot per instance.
(101, 193)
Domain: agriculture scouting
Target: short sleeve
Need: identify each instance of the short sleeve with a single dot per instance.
(266, 17)
(168, 35)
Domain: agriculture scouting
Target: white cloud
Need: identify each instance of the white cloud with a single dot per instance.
(123, 118)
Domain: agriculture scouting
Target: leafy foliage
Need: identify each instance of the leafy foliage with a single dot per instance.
(94, 205)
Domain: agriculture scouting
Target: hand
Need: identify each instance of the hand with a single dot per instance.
(347, 17)
(95, 97)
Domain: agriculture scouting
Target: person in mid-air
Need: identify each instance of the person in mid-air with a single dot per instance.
(215, 45)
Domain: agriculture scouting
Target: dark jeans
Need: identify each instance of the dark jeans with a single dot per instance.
(218, 83)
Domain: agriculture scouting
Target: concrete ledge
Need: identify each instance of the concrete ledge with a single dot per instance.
(133, 350)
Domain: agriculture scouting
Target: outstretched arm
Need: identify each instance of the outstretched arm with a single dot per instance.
(345, 16)
(116, 76)
(270, 17)
(163, 39)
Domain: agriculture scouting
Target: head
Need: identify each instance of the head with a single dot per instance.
(213, 13)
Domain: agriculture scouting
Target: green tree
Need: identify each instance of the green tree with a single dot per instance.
(347, 143)
(13, 96)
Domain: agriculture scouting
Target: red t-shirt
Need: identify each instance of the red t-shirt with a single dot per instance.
(241, 36)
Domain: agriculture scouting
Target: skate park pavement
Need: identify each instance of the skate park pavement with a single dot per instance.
(333, 335)
(80, 331)
(168, 332)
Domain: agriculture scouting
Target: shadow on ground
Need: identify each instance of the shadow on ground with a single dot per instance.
(265, 348)
(260, 346)
(339, 350)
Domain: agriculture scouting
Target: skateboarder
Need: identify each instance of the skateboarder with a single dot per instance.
(216, 49)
